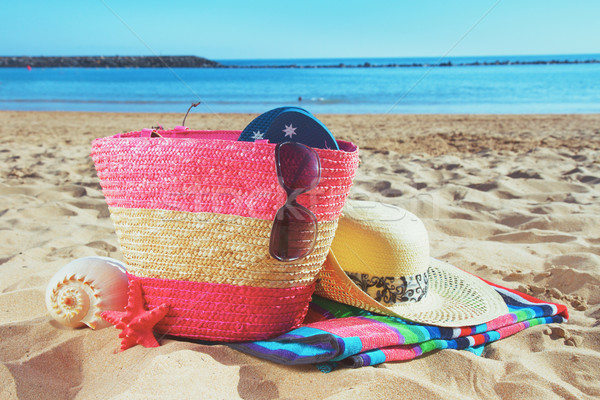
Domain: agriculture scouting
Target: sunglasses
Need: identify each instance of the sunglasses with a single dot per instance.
(294, 231)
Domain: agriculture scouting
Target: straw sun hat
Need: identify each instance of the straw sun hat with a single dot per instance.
(379, 261)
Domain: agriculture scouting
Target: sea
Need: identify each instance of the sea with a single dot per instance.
(506, 87)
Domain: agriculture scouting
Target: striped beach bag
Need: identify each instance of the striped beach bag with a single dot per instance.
(194, 212)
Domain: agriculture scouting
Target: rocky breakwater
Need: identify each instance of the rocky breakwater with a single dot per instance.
(109, 62)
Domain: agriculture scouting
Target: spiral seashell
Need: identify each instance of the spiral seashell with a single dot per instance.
(82, 289)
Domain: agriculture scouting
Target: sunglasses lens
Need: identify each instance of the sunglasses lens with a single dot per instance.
(299, 167)
(294, 233)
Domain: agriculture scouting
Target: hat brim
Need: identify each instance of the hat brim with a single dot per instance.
(455, 298)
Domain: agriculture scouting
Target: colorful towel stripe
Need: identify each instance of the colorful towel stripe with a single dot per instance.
(335, 334)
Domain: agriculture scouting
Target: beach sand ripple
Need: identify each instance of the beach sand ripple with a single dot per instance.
(513, 199)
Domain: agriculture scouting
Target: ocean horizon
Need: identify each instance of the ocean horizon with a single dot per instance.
(506, 88)
(425, 61)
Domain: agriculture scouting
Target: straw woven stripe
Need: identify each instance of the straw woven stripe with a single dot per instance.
(222, 176)
(225, 312)
(207, 247)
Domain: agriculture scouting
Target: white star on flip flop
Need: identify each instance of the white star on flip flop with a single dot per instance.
(257, 135)
(290, 131)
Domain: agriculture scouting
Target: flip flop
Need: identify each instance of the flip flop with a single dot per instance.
(289, 124)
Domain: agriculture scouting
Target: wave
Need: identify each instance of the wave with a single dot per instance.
(323, 100)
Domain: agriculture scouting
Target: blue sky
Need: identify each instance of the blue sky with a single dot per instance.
(235, 29)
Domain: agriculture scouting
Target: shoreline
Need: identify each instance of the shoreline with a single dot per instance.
(432, 134)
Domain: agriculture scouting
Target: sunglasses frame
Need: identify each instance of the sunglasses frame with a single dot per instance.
(291, 203)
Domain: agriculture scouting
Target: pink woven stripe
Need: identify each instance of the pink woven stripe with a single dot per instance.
(220, 312)
(182, 133)
(186, 172)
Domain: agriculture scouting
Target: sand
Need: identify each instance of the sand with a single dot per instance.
(513, 199)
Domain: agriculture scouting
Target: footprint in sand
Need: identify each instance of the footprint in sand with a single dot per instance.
(382, 187)
(86, 169)
(102, 245)
(392, 193)
(402, 171)
(256, 383)
(542, 210)
(561, 219)
(68, 253)
(373, 186)
(5, 259)
(515, 220)
(578, 261)
(571, 281)
(74, 190)
(29, 282)
(93, 204)
(458, 192)
(22, 173)
(93, 184)
(576, 157)
(48, 211)
(531, 237)
(57, 367)
(566, 284)
(484, 187)
(575, 170)
(26, 190)
(419, 185)
(451, 167)
(590, 179)
(524, 174)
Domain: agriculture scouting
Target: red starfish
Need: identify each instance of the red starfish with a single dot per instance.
(136, 322)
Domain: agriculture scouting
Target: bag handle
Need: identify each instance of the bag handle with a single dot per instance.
(188, 111)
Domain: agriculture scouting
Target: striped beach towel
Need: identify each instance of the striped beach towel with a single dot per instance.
(335, 334)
